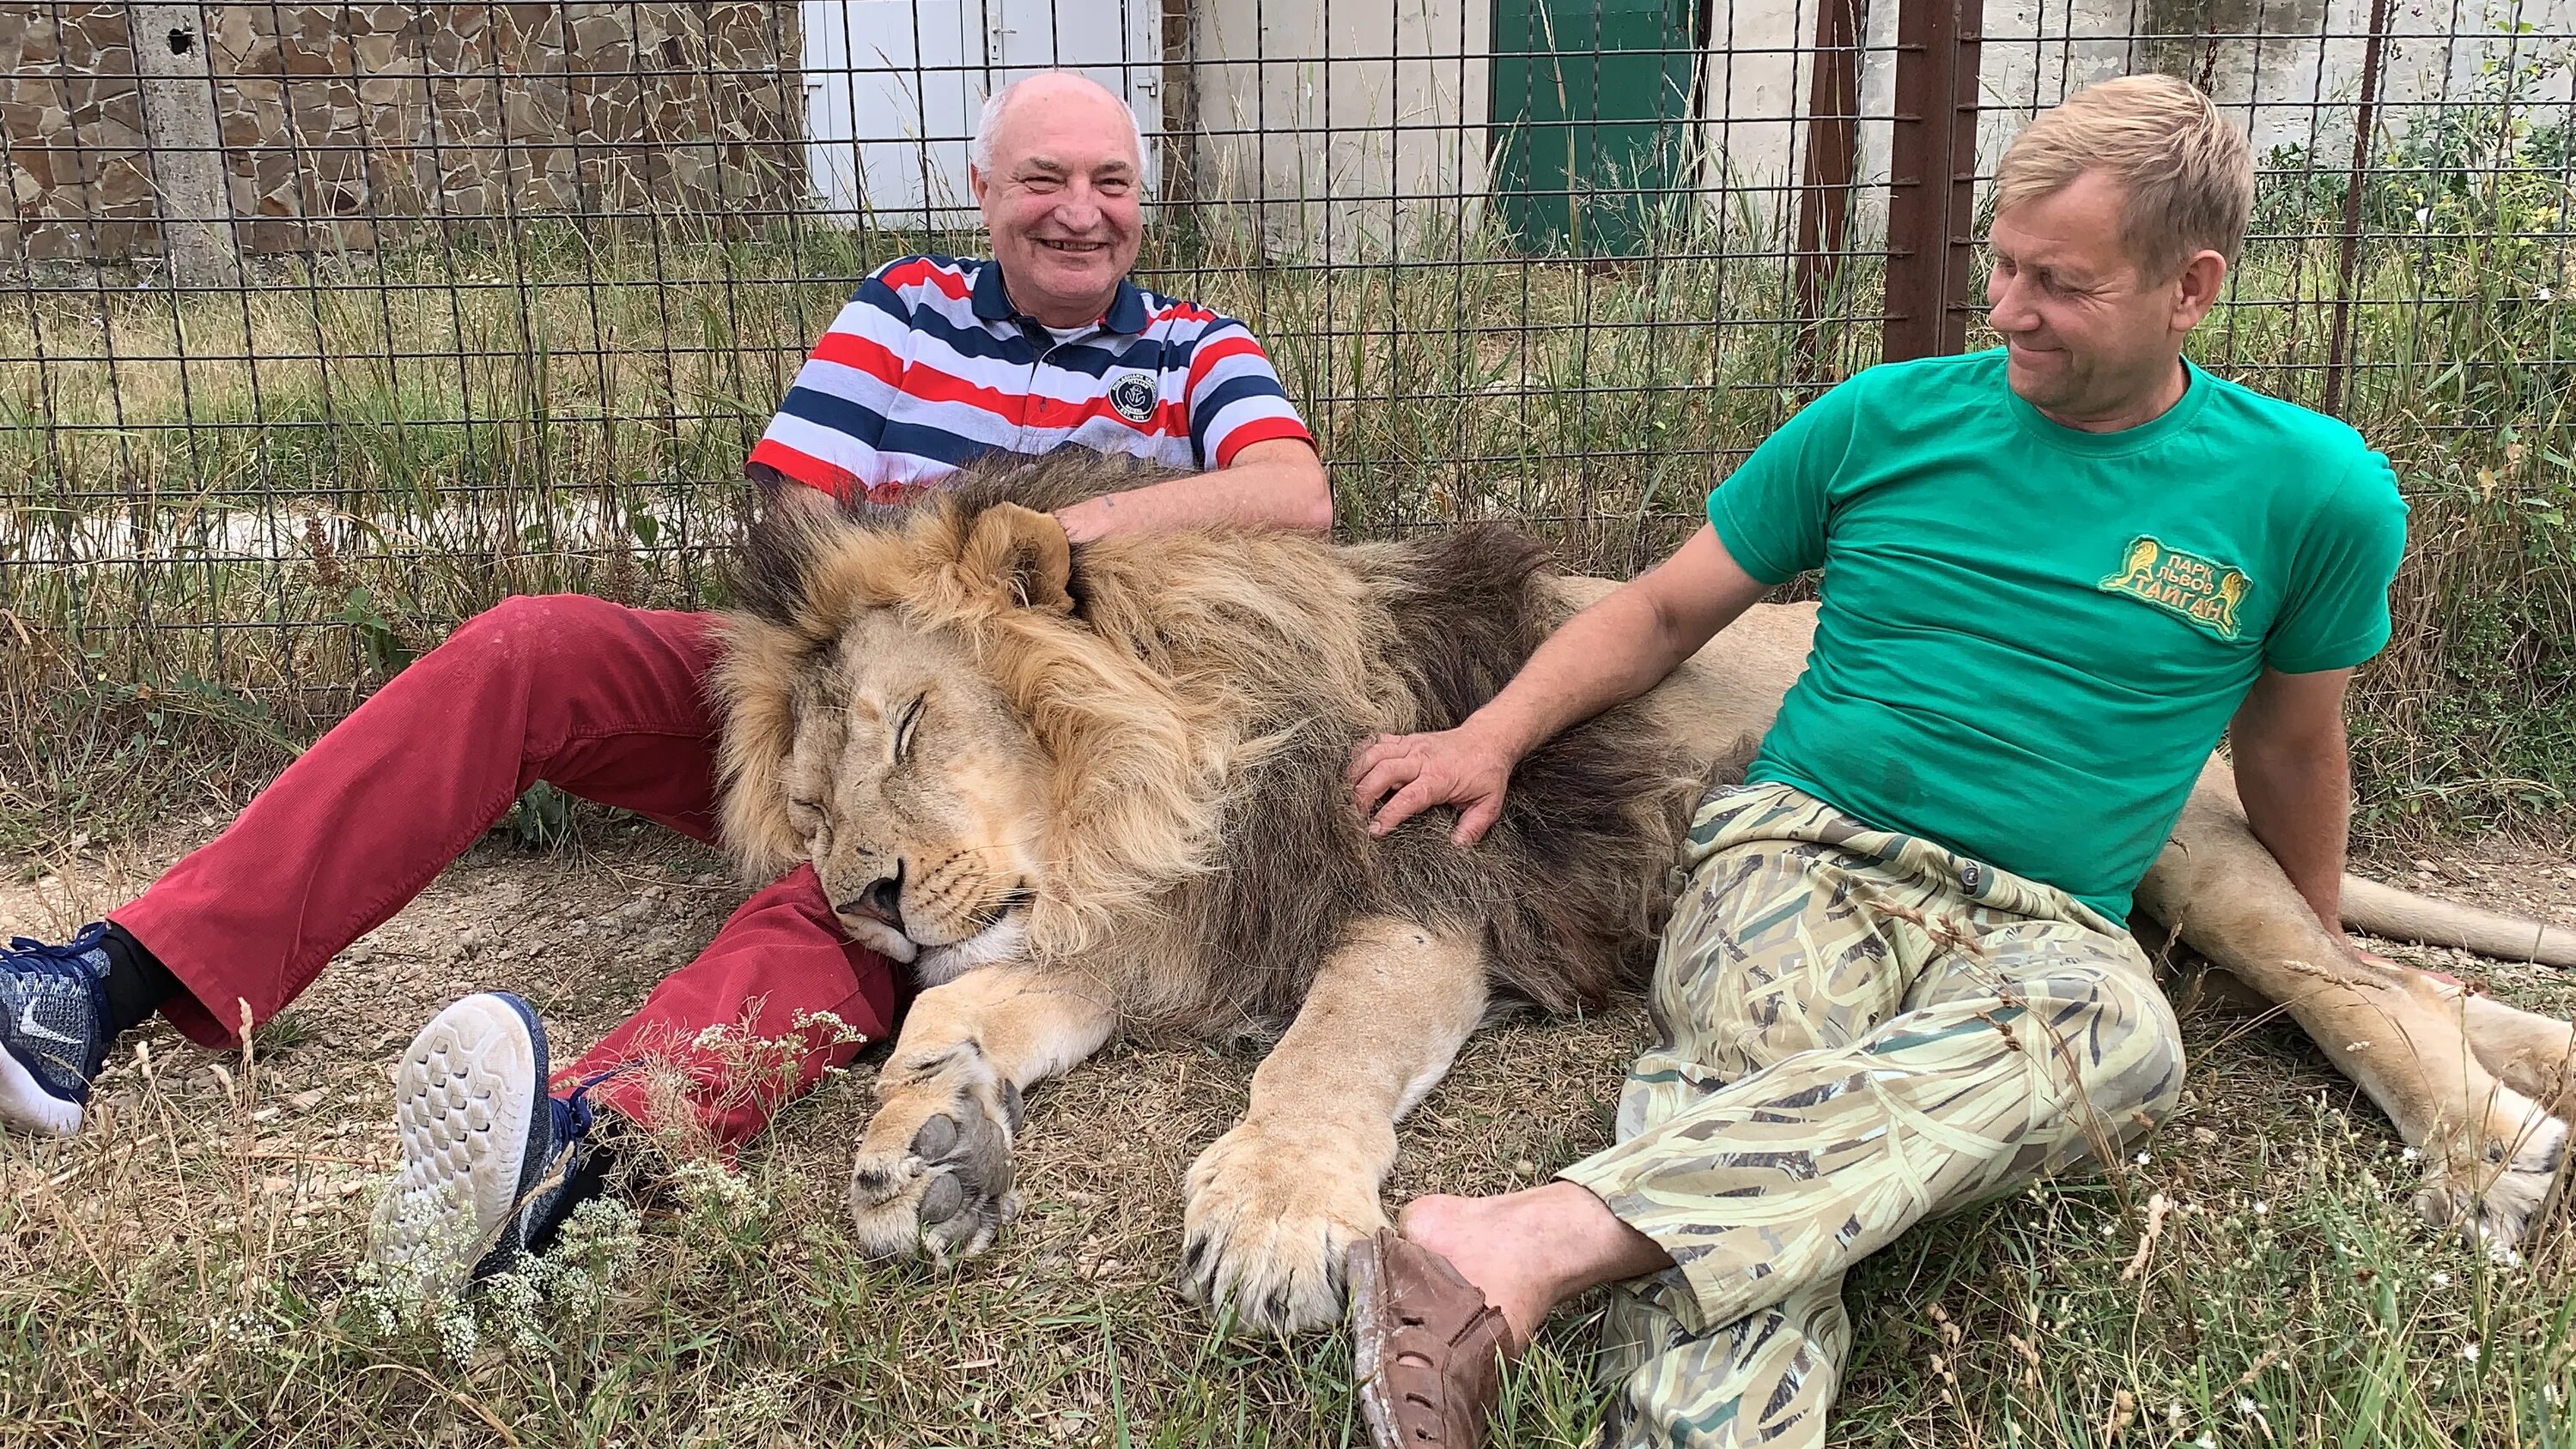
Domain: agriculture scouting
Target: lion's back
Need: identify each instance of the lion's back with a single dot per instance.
(1564, 893)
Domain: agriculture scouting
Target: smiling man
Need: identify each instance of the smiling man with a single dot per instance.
(1896, 979)
(937, 361)
(933, 363)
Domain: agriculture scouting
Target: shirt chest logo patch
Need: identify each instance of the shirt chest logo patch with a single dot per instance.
(1133, 396)
(2203, 591)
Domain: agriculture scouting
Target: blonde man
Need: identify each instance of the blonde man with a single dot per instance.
(1897, 981)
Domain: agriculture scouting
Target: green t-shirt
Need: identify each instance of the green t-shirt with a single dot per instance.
(2032, 636)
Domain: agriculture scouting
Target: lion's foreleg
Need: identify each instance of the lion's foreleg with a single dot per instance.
(1274, 1203)
(2396, 1032)
(934, 1165)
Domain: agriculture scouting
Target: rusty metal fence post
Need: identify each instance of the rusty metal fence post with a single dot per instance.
(2348, 246)
(1824, 198)
(1932, 166)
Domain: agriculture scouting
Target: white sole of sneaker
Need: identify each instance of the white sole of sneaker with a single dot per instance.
(27, 1106)
(464, 1093)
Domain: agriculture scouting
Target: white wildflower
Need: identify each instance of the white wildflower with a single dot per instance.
(2469, 1351)
(751, 1407)
(716, 1191)
(456, 1333)
(2142, 1159)
(2412, 1154)
(2207, 1441)
(2440, 1280)
(2245, 1404)
(2262, 1209)
(251, 1330)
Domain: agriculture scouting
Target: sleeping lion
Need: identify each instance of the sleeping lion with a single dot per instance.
(1078, 789)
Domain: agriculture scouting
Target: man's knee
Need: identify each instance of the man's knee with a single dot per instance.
(536, 627)
(2109, 1022)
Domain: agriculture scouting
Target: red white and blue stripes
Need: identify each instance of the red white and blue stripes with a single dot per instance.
(928, 367)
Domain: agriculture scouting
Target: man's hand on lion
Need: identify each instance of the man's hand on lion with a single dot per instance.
(1465, 767)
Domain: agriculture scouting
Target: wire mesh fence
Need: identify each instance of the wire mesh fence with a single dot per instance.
(328, 324)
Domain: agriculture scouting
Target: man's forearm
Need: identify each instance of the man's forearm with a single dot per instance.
(1614, 651)
(2298, 801)
(1289, 494)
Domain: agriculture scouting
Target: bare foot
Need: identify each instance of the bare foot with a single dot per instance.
(1529, 1251)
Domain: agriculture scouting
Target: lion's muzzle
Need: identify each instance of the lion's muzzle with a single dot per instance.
(880, 901)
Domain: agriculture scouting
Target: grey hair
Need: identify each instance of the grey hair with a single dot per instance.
(981, 152)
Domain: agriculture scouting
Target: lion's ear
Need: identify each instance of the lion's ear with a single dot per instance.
(1020, 554)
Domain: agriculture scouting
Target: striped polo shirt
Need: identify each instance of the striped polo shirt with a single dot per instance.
(929, 367)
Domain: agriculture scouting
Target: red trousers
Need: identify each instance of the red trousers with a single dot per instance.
(599, 700)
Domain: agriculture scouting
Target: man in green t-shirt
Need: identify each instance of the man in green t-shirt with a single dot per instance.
(1896, 979)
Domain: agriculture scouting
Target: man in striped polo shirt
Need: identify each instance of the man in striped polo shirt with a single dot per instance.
(936, 361)
(933, 363)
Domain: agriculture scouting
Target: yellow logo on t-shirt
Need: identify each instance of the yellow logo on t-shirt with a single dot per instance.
(2206, 593)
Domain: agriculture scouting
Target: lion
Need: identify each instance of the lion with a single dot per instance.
(1079, 789)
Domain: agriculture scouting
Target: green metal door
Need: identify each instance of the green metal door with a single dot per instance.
(1591, 100)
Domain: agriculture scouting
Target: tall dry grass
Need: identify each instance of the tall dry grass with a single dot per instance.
(228, 515)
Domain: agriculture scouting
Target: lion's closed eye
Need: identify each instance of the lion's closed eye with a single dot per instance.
(907, 725)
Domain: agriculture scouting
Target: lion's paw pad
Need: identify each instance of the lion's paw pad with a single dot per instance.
(946, 1194)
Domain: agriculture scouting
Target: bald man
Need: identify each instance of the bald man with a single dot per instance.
(933, 363)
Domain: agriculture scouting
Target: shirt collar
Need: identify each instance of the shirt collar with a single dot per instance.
(1126, 310)
(992, 302)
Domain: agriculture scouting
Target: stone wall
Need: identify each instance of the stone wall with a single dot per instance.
(350, 125)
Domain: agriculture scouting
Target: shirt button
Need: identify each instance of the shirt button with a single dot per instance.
(1969, 875)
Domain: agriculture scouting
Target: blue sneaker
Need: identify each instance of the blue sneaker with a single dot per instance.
(53, 1030)
(486, 1154)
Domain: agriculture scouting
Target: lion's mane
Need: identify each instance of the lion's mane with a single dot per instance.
(1198, 696)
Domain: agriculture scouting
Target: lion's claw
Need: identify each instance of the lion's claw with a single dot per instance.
(2489, 1197)
(1268, 1224)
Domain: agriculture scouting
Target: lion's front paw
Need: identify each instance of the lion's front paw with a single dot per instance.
(2488, 1191)
(934, 1168)
(1268, 1221)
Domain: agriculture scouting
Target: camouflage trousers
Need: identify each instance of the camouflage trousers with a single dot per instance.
(1856, 1030)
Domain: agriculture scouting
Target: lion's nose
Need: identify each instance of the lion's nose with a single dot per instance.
(882, 901)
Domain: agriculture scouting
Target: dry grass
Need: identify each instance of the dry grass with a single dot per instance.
(184, 1273)
(229, 516)
(408, 441)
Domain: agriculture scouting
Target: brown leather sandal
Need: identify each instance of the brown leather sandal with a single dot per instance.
(1427, 1349)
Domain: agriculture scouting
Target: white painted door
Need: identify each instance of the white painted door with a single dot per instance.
(893, 89)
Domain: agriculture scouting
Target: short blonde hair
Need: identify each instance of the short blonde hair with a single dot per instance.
(2187, 175)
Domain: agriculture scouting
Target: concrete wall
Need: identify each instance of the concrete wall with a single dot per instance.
(340, 124)
(1346, 153)
(343, 125)
(1341, 158)
(2289, 70)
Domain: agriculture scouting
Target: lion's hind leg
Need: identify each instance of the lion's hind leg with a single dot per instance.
(1275, 1203)
(2533, 1054)
(2401, 1034)
(934, 1167)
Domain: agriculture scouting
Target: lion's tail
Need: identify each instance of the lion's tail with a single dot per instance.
(2400, 915)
